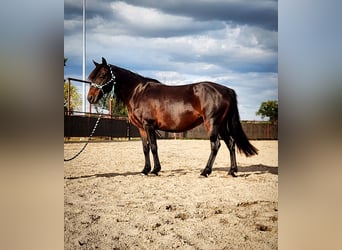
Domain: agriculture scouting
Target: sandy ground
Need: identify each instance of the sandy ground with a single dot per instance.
(109, 205)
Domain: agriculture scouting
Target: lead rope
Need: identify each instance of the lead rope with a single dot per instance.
(95, 126)
(86, 144)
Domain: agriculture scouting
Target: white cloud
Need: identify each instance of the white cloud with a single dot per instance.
(145, 17)
(150, 22)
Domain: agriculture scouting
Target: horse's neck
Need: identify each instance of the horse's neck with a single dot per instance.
(131, 83)
(128, 86)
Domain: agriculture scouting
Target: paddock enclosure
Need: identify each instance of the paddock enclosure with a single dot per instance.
(109, 205)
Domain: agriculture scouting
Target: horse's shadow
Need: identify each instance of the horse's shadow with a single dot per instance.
(242, 172)
(107, 175)
(252, 169)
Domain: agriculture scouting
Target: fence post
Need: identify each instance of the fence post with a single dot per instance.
(68, 97)
(129, 130)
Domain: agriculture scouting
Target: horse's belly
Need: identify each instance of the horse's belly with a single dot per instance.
(178, 122)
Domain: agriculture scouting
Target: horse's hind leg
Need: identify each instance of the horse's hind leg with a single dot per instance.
(233, 166)
(215, 145)
(231, 146)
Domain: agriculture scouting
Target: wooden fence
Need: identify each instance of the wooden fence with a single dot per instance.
(253, 130)
(82, 126)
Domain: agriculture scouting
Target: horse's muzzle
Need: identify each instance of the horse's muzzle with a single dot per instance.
(92, 99)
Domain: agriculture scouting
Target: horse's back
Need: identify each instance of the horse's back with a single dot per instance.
(193, 88)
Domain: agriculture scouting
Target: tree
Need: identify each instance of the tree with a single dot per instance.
(269, 109)
(75, 97)
(118, 108)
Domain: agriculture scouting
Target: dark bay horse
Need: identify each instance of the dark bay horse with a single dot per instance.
(154, 106)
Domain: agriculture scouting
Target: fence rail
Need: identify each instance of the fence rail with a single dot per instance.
(81, 126)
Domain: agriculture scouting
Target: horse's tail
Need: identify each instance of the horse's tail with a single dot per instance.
(236, 131)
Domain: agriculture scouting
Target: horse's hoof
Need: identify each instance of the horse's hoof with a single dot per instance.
(143, 173)
(204, 174)
(155, 173)
(232, 174)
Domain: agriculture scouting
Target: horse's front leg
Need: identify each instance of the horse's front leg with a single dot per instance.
(146, 150)
(151, 136)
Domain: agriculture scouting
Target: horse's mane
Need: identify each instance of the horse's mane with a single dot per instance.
(135, 75)
(121, 72)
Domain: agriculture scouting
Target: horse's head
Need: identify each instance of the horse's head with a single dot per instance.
(102, 81)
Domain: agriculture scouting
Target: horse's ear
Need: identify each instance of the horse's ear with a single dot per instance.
(104, 61)
(95, 63)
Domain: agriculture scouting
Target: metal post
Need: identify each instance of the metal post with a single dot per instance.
(68, 96)
(128, 130)
(84, 58)
(110, 107)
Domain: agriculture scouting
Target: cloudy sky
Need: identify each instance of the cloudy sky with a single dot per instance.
(231, 42)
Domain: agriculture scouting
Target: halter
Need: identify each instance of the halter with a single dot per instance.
(112, 80)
